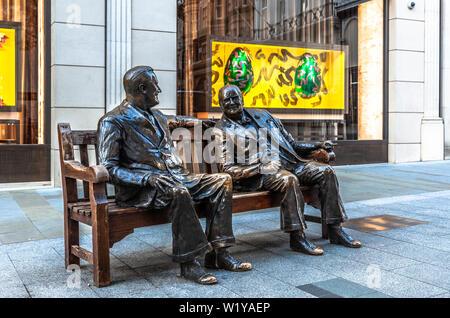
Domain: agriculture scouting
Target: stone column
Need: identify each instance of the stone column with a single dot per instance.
(445, 70)
(154, 36)
(370, 71)
(406, 80)
(432, 131)
(118, 49)
(77, 69)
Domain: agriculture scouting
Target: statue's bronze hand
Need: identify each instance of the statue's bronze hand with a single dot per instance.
(270, 167)
(208, 123)
(327, 145)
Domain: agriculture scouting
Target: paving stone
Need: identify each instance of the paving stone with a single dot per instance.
(256, 217)
(372, 240)
(16, 224)
(430, 211)
(16, 290)
(333, 264)
(267, 262)
(33, 252)
(57, 204)
(34, 206)
(313, 227)
(420, 253)
(143, 258)
(159, 238)
(344, 288)
(265, 225)
(303, 275)
(440, 243)
(49, 192)
(18, 237)
(242, 229)
(372, 256)
(388, 283)
(255, 284)
(5, 195)
(428, 229)
(438, 204)
(165, 277)
(126, 283)
(317, 291)
(446, 295)
(430, 274)
(130, 288)
(136, 253)
(51, 228)
(9, 207)
(375, 295)
(59, 290)
(265, 239)
(432, 220)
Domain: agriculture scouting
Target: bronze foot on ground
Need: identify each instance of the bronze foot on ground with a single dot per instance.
(193, 271)
(338, 236)
(223, 260)
(300, 243)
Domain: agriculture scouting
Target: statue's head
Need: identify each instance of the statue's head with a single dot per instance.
(231, 101)
(141, 86)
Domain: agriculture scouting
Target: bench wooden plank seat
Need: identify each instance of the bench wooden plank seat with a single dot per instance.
(111, 223)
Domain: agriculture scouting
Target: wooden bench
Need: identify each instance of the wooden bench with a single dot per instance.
(111, 223)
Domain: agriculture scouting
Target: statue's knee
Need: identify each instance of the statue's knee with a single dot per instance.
(179, 190)
(290, 179)
(328, 172)
(227, 181)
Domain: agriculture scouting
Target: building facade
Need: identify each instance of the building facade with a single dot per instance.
(382, 69)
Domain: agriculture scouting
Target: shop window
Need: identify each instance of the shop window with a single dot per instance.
(22, 88)
(317, 65)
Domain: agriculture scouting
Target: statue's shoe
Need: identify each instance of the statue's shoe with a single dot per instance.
(193, 271)
(339, 237)
(300, 243)
(225, 261)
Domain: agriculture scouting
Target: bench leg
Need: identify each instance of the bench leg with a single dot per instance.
(100, 242)
(71, 227)
(71, 238)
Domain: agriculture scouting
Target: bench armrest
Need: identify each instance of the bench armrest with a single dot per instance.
(95, 174)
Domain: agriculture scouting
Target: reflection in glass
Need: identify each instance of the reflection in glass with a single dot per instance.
(308, 24)
(26, 109)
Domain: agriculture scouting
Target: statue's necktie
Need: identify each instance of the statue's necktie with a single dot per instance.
(156, 132)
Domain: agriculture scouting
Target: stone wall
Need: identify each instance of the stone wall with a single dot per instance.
(415, 129)
(93, 42)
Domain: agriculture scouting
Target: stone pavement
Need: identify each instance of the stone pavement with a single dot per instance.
(407, 262)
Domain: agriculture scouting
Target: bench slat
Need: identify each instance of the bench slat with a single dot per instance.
(84, 137)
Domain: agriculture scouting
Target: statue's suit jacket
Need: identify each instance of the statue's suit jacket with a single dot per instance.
(290, 152)
(133, 146)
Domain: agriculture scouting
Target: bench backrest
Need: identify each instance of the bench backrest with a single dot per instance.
(82, 146)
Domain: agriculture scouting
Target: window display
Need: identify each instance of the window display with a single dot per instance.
(24, 91)
(280, 77)
(22, 67)
(316, 64)
(9, 132)
(9, 65)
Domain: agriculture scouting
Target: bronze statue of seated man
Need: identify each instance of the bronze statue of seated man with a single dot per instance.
(282, 168)
(135, 145)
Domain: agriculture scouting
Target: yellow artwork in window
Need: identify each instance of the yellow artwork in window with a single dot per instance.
(8, 67)
(280, 77)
